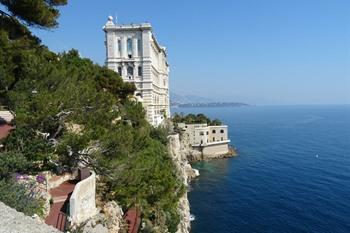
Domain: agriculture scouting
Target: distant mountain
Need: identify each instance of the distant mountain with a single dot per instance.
(212, 104)
(176, 99)
(198, 101)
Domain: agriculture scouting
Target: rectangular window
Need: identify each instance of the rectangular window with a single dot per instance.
(130, 70)
(119, 46)
(139, 47)
(207, 132)
(201, 133)
(213, 139)
(139, 71)
(222, 131)
(214, 131)
(129, 46)
(222, 138)
(120, 70)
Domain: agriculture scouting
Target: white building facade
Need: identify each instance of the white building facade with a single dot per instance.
(133, 51)
(210, 140)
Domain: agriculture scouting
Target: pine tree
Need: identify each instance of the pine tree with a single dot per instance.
(39, 13)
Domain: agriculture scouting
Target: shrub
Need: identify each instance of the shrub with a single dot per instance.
(20, 198)
(194, 119)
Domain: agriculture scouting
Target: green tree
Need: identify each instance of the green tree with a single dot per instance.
(40, 13)
(195, 119)
(17, 196)
(69, 111)
(216, 122)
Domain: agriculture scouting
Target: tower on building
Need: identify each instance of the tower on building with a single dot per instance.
(133, 51)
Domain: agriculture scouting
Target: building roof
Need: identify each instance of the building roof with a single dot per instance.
(132, 218)
(110, 25)
(5, 130)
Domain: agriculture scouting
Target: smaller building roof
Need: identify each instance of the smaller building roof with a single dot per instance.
(133, 219)
(5, 130)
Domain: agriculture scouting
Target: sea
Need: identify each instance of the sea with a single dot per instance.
(291, 175)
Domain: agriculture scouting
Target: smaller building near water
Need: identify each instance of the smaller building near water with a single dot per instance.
(210, 140)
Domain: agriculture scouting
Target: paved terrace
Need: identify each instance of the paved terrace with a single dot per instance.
(12, 221)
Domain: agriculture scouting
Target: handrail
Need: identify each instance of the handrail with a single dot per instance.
(61, 221)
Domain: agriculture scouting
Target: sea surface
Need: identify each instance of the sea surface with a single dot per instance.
(292, 173)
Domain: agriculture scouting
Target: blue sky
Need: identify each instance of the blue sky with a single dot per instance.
(255, 51)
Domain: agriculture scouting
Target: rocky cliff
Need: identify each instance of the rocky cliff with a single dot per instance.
(185, 172)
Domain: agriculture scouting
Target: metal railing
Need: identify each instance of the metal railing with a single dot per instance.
(62, 222)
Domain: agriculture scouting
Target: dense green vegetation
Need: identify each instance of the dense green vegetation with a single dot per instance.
(17, 196)
(192, 119)
(69, 111)
(39, 13)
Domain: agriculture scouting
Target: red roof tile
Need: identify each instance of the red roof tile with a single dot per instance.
(132, 218)
(5, 130)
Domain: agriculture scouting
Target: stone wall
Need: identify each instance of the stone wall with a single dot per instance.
(6, 116)
(55, 181)
(82, 202)
(213, 151)
(12, 221)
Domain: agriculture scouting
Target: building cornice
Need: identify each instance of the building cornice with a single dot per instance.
(131, 27)
(213, 143)
(159, 47)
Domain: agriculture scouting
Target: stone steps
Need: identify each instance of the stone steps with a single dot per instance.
(60, 196)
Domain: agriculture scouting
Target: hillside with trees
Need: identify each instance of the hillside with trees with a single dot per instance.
(70, 111)
(194, 119)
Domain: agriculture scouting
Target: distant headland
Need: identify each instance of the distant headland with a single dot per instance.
(190, 101)
(209, 105)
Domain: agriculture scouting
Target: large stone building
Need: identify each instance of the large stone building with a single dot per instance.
(133, 51)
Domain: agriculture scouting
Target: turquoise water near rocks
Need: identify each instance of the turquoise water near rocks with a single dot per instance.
(292, 173)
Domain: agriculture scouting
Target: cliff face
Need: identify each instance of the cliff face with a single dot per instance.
(182, 154)
(185, 173)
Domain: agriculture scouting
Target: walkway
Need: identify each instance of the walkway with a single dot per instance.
(58, 211)
(5, 130)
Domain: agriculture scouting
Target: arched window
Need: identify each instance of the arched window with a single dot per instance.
(130, 70)
(129, 46)
(139, 94)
